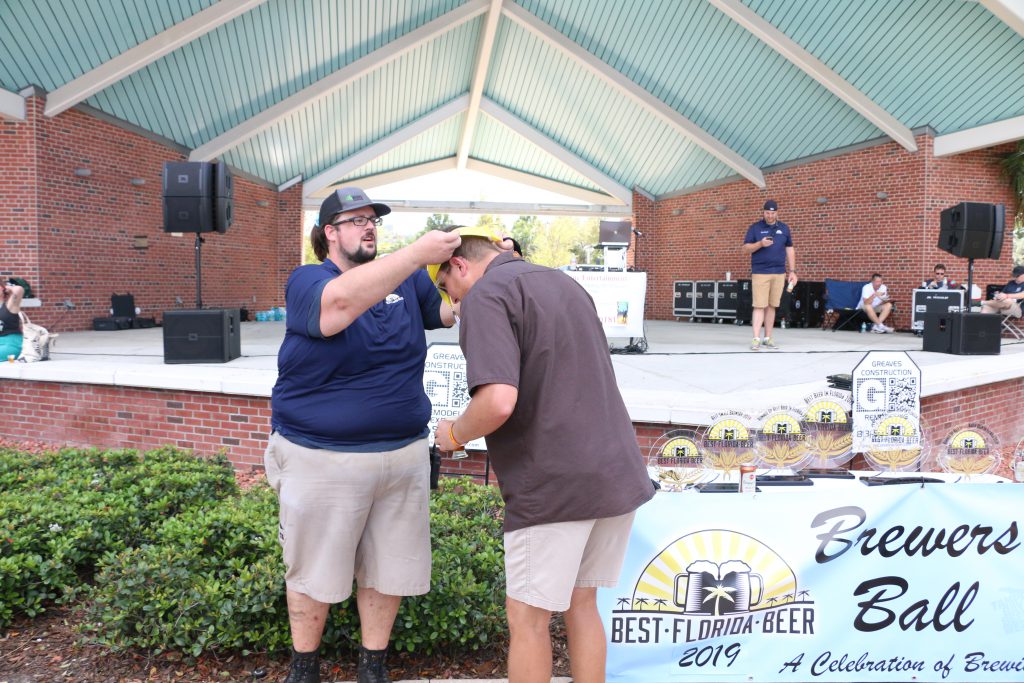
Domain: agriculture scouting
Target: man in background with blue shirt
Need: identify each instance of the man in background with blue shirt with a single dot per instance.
(348, 450)
(770, 246)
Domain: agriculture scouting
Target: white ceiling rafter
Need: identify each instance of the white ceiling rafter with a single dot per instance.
(12, 106)
(567, 157)
(523, 209)
(1010, 12)
(476, 90)
(818, 70)
(384, 145)
(388, 177)
(145, 53)
(996, 133)
(618, 80)
(338, 79)
(506, 173)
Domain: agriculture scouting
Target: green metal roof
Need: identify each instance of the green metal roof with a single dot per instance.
(601, 95)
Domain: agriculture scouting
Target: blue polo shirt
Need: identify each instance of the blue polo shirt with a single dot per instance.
(1013, 287)
(769, 260)
(360, 389)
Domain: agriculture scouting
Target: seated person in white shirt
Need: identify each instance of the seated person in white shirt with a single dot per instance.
(939, 280)
(874, 301)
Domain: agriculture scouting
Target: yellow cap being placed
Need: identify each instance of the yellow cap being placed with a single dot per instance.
(465, 231)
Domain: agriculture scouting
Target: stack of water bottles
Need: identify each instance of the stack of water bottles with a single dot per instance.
(276, 314)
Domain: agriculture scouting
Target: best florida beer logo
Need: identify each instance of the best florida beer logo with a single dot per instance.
(829, 428)
(713, 584)
(970, 450)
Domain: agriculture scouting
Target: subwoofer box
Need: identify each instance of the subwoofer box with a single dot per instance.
(202, 335)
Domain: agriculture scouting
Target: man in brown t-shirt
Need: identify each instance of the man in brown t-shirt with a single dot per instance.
(561, 442)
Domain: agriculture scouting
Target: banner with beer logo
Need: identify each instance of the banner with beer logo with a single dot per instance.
(839, 582)
(618, 298)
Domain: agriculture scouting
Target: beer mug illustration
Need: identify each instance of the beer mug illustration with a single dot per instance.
(717, 589)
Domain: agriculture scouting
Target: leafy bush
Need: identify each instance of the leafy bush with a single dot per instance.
(213, 580)
(60, 512)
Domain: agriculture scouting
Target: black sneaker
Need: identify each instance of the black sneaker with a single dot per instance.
(305, 668)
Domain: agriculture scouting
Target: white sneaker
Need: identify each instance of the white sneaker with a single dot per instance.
(878, 329)
(886, 329)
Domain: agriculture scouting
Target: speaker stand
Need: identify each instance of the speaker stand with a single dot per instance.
(199, 271)
(970, 285)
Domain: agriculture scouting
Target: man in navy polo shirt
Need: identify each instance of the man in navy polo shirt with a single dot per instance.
(1008, 301)
(348, 450)
(770, 246)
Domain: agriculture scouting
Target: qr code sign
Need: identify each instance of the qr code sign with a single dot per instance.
(459, 389)
(902, 394)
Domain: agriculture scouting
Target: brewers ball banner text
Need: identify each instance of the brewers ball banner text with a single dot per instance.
(839, 582)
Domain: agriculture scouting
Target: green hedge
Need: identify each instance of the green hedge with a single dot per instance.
(213, 581)
(61, 512)
(162, 552)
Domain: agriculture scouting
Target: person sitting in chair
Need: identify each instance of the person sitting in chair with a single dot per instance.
(1008, 301)
(10, 321)
(874, 301)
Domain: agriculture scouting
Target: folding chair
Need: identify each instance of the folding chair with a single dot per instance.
(841, 299)
(1009, 325)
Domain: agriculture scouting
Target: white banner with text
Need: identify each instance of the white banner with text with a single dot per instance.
(619, 299)
(840, 582)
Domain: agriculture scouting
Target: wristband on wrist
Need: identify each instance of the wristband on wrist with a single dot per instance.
(451, 435)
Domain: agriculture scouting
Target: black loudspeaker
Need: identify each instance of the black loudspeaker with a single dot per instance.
(224, 190)
(197, 197)
(808, 304)
(977, 334)
(972, 230)
(202, 336)
(962, 334)
(615, 232)
(744, 302)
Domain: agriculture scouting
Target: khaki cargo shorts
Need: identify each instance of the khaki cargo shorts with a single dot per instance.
(767, 289)
(544, 563)
(352, 515)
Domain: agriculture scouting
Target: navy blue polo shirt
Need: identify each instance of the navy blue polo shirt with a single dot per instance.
(360, 389)
(769, 260)
(1013, 287)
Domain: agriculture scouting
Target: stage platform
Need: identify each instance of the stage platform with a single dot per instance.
(689, 372)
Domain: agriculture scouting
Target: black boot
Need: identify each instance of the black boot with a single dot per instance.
(305, 667)
(371, 666)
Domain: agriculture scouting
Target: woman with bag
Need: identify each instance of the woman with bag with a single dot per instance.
(10, 321)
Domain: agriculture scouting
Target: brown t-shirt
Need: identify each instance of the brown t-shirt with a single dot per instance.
(568, 452)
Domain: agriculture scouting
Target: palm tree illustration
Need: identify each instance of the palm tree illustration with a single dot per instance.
(805, 594)
(622, 604)
(718, 593)
(641, 602)
(791, 597)
(772, 600)
(659, 602)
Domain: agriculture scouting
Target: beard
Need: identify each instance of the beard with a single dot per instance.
(362, 253)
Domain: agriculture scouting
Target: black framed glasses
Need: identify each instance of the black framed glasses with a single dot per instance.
(361, 221)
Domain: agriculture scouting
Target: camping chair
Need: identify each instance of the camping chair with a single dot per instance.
(841, 300)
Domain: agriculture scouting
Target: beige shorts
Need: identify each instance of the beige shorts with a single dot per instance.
(345, 515)
(767, 289)
(544, 563)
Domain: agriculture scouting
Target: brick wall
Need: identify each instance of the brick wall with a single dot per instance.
(73, 237)
(85, 415)
(19, 241)
(851, 235)
(124, 417)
